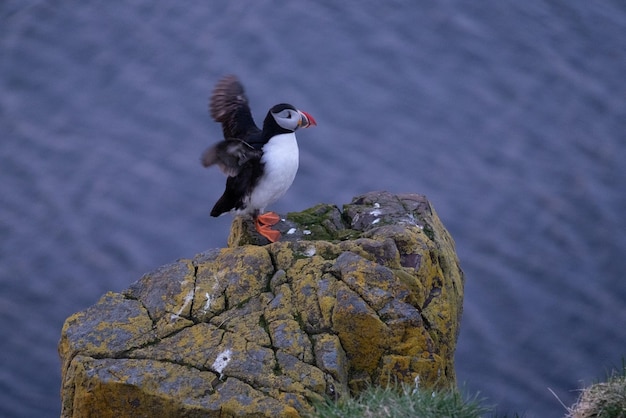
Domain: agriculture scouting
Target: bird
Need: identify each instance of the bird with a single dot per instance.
(260, 164)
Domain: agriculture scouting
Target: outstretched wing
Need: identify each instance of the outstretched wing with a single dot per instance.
(229, 106)
(230, 155)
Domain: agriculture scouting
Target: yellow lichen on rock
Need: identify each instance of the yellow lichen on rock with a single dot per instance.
(130, 388)
(370, 295)
(364, 337)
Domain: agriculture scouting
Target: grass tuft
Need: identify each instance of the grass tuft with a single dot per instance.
(400, 401)
(604, 399)
(601, 400)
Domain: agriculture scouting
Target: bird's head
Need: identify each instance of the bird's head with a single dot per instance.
(289, 118)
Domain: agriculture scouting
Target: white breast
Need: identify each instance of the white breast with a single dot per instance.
(280, 156)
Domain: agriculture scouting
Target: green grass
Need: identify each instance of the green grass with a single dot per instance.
(601, 400)
(401, 401)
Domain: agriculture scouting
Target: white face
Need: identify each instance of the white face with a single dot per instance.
(288, 119)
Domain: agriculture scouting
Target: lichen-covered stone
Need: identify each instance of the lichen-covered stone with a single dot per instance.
(371, 294)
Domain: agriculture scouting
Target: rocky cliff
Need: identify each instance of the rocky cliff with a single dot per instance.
(368, 295)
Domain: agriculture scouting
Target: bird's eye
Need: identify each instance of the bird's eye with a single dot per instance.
(288, 115)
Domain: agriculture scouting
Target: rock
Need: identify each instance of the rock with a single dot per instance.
(371, 294)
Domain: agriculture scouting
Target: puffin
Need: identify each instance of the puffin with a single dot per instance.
(260, 164)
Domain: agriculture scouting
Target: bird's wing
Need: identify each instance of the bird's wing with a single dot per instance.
(229, 106)
(230, 155)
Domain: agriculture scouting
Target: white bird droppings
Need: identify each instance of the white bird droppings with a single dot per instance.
(291, 231)
(207, 305)
(306, 232)
(222, 361)
(187, 301)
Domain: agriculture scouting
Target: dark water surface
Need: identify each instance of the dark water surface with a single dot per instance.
(510, 116)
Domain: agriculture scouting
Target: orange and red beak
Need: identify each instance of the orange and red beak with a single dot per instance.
(306, 120)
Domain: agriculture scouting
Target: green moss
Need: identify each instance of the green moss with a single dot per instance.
(316, 214)
(347, 234)
(298, 317)
(428, 230)
(277, 370)
(263, 324)
(323, 222)
(318, 232)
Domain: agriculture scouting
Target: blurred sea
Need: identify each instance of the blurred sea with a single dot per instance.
(510, 116)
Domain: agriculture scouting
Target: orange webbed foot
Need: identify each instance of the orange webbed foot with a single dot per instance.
(268, 218)
(263, 225)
